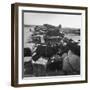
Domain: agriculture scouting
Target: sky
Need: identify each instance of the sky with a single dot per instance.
(66, 20)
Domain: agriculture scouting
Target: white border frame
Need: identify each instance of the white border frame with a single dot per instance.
(33, 80)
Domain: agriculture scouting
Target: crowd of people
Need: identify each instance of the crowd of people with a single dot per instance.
(62, 55)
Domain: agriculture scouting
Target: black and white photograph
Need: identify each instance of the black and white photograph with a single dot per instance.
(51, 43)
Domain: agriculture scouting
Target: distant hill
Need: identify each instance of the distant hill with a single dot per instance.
(65, 30)
(71, 30)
